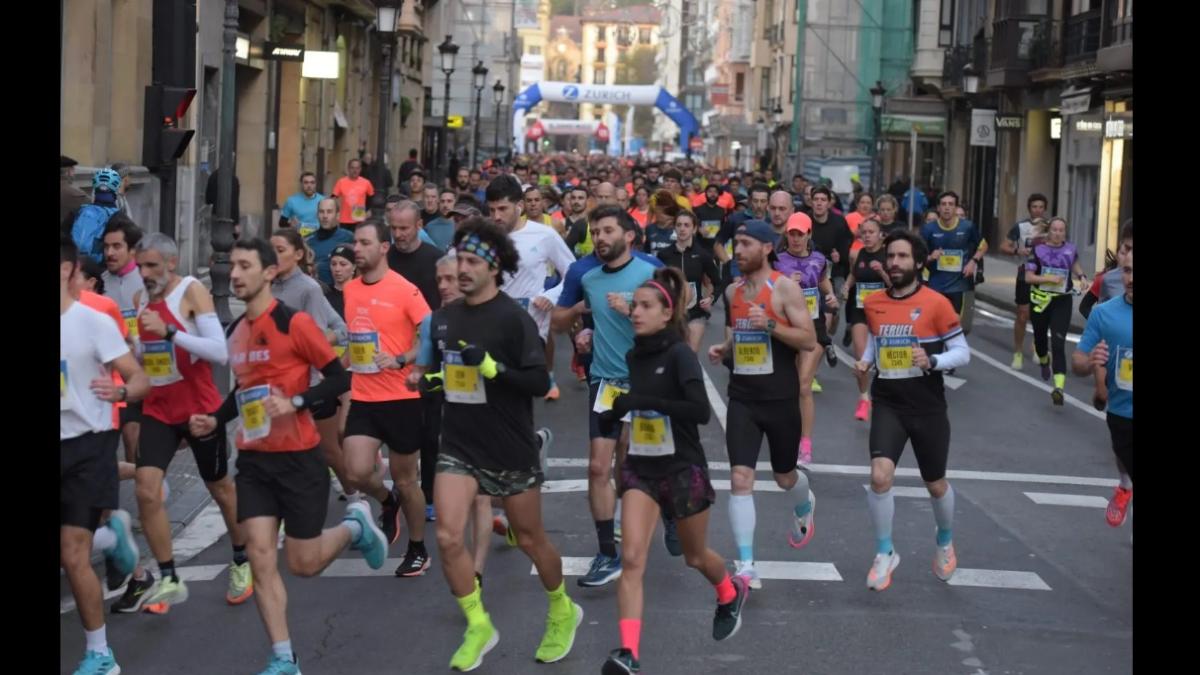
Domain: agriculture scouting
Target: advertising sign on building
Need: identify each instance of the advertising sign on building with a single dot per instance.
(983, 128)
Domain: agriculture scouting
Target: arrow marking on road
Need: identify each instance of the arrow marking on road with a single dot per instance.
(1054, 499)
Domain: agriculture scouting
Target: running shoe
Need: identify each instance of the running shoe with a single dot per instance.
(802, 523)
(415, 564)
(671, 538)
(816, 387)
(1056, 396)
(159, 608)
(479, 639)
(746, 570)
(880, 576)
(620, 662)
(559, 636)
(170, 591)
(430, 514)
(1046, 371)
(134, 598)
(113, 578)
(945, 562)
(282, 666)
(1118, 506)
(241, 583)
(371, 541)
(604, 570)
(577, 368)
(1018, 361)
(847, 338)
(389, 519)
(124, 554)
(553, 394)
(831, 356)
(728, 618)
(98, 663)
(336, 485)
(804, 455)
(545, 440)
(863, 412)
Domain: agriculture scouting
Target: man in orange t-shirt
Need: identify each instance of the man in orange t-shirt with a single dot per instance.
(352, 190)
(383, 310)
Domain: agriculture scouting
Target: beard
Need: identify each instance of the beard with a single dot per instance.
(615, 250)
(751, 263)
(906, 277)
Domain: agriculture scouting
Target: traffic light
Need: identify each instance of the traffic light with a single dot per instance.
(163, 141)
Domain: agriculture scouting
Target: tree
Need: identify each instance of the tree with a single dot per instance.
(636, 66)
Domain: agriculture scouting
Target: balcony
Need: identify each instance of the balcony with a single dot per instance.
(1011, 52)
(1082, 38)
(1116, 50)
(952, 67)
(1012, 9)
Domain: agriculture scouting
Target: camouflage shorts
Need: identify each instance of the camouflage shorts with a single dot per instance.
(505, 483)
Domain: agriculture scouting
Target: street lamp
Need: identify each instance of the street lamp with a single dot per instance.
(970, 79)
(877, 93)
(449, 51)
(479, 72)
(778, 113)
(387, 13)
(498, 98)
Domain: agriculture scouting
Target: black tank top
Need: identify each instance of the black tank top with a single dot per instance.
(862, 265)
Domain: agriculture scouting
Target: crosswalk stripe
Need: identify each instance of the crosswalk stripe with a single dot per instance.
(906, 491)
(782, 570)
(1026, 581)
(1055, 499)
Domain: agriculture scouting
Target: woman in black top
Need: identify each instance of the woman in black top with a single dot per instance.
(665, 468)
(343, 269)
(868, 274)
(697, 265)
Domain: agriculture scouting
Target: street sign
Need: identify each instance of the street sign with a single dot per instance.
(1010, 122)
(696, 143)
(454, 121)
(276, 52)
(983, 128)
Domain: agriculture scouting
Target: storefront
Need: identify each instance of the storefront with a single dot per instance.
(898, 149)
(1116, 174)
(1079, 173)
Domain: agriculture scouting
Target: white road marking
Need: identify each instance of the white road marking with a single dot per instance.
(1085, 407)
(578, 485)
(1025, 581)
(953, 382)
(357, 567)
(906, 491)
(1054, 499)
(204, 531)
(1009, 321)
(715, 400)
(767, 569)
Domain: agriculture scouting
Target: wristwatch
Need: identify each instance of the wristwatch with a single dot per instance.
(401, 361)
(771, 325)
(122, 393)
(932, 362)
(171, 331)
(298, 402)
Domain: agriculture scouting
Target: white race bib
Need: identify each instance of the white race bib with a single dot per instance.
(251, 402)
(650, 435)
(462, 382)
(811, 297)
(158, 360)
(752, 353)
(951, 260)
(1125, 368)
(710, 228)
(894, 358)
(1060, 287)
(608, 392)
(363, 347)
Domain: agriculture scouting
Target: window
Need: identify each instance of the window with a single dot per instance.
(695, 102)
(946, 24)
(1081, 6)
(764, 88)
(598, 76)
(600, 54)
(644, 35)
(739, 87)
(833, 116)
(624, 39)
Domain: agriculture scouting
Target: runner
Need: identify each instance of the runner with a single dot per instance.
(328, 237)
(352, 191)
(711, 216)
(1107, 347)
(494, 365)
(121, 283)
(915, 336)
(1102, 290)
(953, 244)
(300, 210)
(864, 207)
(281, 474)
(698, 266)
(1020, 242)
(384, 311)
(867, 276)
(767, 325)
(342, 269)
(666, 470)
(640, 210)
(575, 222)
(886, 208)
(607, 291)
(1050, 272)
(832, 238)
(89, 348)
(660, 233)
(810, 270)
(180, 338)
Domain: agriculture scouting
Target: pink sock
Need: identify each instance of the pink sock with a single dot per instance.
(631, 634)
(725, 590)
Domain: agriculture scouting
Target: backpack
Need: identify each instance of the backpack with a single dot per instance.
(88, 229)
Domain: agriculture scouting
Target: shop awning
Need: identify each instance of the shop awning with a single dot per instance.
(1076, 101)
(927, 126)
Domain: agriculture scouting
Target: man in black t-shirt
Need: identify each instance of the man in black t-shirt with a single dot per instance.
(832, 237)
(710, 216)
(410, 257)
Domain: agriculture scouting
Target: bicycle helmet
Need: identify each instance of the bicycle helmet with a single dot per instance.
(106, 179)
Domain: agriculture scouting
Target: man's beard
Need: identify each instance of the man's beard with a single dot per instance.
(752, 264)
(615, 251)
(906, 278)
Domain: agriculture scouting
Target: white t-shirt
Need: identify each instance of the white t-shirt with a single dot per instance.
(537, 245)
(87, 341)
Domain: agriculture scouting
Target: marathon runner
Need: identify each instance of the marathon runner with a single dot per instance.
(90, 347)
(666, 471)
(328, 237)
(1050, 272)
(867, 276)
(886, 207)
(766, 326)
(915, 335)
(698, 265)
(832, 238)
(1107, 347)
(953, 244)
(711, 216)
(282, 476)
(1020, 242)
(493, 364)
(810, 270)
(181, 338)
(660, 233)
(342, 269)
(121, 282)
(575, 222)
(385, 310)
(1102, 290)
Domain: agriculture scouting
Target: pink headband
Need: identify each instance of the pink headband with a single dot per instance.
(670, 303)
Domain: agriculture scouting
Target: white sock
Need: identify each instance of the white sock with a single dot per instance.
(1126, 481)
(742, 520)
(104, 540)
(283, 650)
(355, 528)
(97, 640)
(617, 512)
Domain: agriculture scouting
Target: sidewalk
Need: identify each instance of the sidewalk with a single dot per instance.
(999, 288)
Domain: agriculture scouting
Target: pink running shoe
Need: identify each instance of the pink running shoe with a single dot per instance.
(805, 451)
(1118, 506)
(863, 412)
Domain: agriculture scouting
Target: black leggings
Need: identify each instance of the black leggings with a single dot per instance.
(1056, 317)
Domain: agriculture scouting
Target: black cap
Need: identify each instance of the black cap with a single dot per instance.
(343, 250)
(66, 162)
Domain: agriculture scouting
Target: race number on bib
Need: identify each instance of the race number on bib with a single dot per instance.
(862, 290)
(695, 294)
(251, 402)
(609, 391)
(130, 316)
(307, 229)
(158, 359)
(811, 297)
(650, 435)
(1125, 368)
(1061, 286)
(363, 347)
(710, 228)
(895, 358)
(358, 213)
(752, 353)
(340, 350)
(462, 383)
(951, 260)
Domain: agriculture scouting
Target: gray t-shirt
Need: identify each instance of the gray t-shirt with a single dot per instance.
(122, 287)
(302, 292)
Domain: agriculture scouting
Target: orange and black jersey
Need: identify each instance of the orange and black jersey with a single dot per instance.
(897, 324)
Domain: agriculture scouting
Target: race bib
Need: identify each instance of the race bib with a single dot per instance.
(363, 347)
(307, 229)
(358, 213)
(695, 296)
(752, 353)
(130, 316)
(710, 228)
(1125, 368)
(64, 402)
(862, 290)
(811, 296)
(340, 350)
(158, 360)
(251, 402)
(650, 435)
(462, 382)
(609, 391)
(1060, 287)
(951, 260)
(895, 358)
